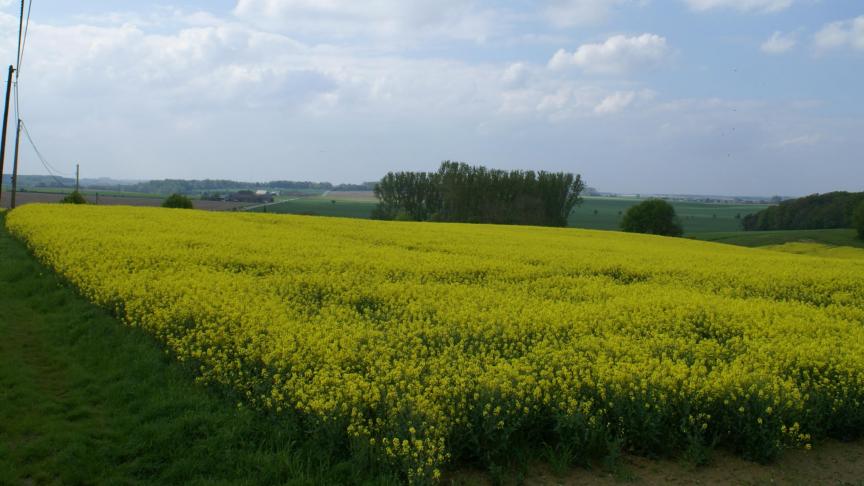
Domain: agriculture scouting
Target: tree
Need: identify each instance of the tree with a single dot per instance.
(458, 192)
(74, 197)
(858, 220)
(407, 196)
(654, 216)
(817, 211)
(178, 201)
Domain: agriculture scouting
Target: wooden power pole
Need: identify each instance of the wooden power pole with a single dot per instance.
(15, 166)
(77, 168)
(5, 127)
(17, 115)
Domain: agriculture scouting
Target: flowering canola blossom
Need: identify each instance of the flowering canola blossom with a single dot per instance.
(421, 343)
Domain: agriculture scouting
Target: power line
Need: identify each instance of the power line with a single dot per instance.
(23, 30)
(45, 162)
(15, 94)
(26, 30)
(17, 110)
(20, 31)
(48, 167)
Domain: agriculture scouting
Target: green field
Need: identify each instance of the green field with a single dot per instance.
(831, 237)
(605, 213)
(594, 213)
(332, 204)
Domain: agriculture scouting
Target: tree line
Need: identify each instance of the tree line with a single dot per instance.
(459, 192)
(817, 211)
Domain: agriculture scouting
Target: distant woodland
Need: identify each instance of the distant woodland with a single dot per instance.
(817, 211)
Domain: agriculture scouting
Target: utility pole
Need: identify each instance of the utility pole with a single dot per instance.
(5, 126)
(17, 115)
(77, 167)
(15, 166)
(20, 31)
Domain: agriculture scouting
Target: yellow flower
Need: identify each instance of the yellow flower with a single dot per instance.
(372, 328)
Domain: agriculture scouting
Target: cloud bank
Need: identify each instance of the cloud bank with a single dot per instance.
(330, 91)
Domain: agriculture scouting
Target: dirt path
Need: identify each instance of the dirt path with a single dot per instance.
(830, 463)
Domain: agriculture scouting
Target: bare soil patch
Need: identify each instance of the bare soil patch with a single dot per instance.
(828, 463)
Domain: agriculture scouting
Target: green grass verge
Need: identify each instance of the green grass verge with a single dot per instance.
(87, 400)
(833, 237)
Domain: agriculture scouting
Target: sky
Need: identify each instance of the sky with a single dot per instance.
(733, 97)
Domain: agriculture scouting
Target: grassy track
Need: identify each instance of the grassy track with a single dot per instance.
(85, 400)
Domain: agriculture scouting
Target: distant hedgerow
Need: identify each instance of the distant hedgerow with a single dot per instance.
(74, 197)
(858, 220)
(178, 201)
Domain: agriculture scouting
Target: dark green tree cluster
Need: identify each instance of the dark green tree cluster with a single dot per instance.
(654, 216)
(178, 201)
(74, 197)
(817, 211)
(459, 192)
(410, 196)
(858, 220)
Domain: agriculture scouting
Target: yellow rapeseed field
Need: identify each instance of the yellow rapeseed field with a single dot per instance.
(420, 343)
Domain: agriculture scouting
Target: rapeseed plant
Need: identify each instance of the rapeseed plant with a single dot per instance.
(418, 343)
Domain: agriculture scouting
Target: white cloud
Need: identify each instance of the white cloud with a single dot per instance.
(616, 55)
(799, 141)
(516, 75)
(846, 33)
(768, 6)
(194, 65)
(195, 74)
(615, 102)
(778, 43)
(164, 93)
(233, 66)
(341, 20)
(570, 13)
(400, 23)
